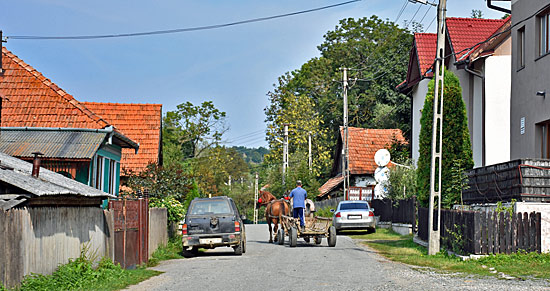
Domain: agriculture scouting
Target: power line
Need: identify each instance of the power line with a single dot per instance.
(431, 23)
(178, 30)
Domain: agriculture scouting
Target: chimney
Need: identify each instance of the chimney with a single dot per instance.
(36, 164)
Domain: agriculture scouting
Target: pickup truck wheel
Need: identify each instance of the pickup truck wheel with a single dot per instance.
(293, 237)
(307, 239)
(280, 236)
(238, 249)
(189, 253)
(332, 236)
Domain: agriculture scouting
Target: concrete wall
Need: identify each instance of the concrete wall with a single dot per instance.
(526, 81)
(38, 240)
(497, 111)
(158, 228)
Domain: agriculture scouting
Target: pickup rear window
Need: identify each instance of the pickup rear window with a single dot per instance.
(210, 207)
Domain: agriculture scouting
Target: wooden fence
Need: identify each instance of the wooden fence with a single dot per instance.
(38, 240)
(472, 232)
(400, 211)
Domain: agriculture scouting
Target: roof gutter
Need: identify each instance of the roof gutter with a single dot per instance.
(498, 8)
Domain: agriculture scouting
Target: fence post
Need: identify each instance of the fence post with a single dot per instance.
(415, 209)
(477, 232)
(538, 238)
(532, 231)
(513, 232)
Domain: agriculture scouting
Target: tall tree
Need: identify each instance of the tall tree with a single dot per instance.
(377, 53)
(191, 129)
(456, 150)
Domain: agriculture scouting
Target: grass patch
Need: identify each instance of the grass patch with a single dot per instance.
(402, 249)
(79, 274)
(173, 250)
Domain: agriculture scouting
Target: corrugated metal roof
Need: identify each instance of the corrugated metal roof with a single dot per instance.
(53, 144)
(17, 172)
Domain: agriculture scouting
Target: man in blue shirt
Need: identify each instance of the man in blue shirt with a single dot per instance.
(299, 195)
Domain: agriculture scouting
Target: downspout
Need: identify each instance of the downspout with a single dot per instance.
(482, 77)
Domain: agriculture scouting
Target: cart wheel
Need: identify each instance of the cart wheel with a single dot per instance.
(293, 237)
(318, 240)
(332, 236)
(280, 236)
(306, 239)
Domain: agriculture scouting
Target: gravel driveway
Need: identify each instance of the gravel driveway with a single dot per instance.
(348, 266)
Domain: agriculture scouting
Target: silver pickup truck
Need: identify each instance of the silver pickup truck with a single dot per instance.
(213, 222)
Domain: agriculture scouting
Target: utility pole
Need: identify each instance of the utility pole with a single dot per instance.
(437, 134)
(285, 152)
(229, 182)
(256, 192)
(345, 149)
(309, 155)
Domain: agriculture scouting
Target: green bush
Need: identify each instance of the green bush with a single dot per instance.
(176, 210)
(324, 212)
(402, 181)
(456, 151)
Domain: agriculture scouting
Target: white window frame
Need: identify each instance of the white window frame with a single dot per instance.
(544, 44)
(521, 47)
(99, 168)
(112, 176)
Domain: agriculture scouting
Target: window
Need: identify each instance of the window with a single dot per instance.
(543, 36)
(112, 176)
(97, 179)
(521, 47)
(544, 139)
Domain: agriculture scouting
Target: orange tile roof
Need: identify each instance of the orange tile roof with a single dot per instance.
(32, 100)
(329, 185)
(363, 144)
(139, 122)
(426, 45)
(467, 32)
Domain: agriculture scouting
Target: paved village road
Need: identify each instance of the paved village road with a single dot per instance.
(348, 266)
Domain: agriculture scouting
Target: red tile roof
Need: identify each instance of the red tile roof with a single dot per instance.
(32, 100)
(139, 122)
(363, 144)
(426, 45)
(467, 32)
(329, 185)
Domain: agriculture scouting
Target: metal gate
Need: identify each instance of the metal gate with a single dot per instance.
(131, 219)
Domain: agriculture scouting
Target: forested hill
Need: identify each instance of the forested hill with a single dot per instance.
(252, 155)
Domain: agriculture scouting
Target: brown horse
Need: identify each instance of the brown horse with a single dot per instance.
(273, 208)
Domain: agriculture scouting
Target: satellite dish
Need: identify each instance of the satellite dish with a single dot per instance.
(382, 157)
(381, 174)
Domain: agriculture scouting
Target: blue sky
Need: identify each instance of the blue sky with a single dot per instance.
(234, 67)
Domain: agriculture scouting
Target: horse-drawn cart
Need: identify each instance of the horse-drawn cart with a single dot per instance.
(316, 228)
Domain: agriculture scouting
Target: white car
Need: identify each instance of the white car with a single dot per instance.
(354, 214)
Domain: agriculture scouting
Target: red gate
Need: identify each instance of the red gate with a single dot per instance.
(131, 219)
